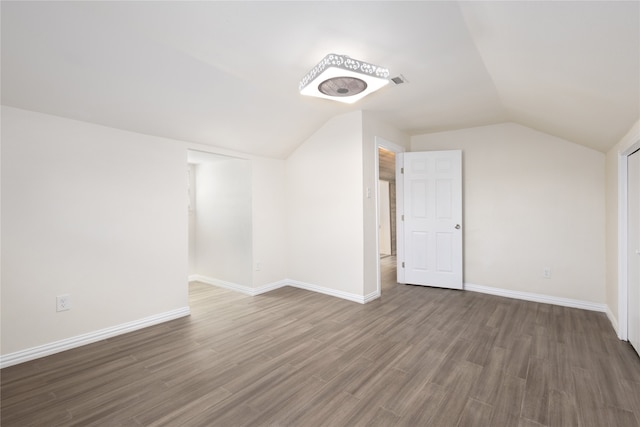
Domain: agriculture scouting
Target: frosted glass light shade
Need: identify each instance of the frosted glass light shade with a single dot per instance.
(341, 78)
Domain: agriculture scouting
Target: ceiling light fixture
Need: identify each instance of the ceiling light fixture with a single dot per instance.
(343, 79)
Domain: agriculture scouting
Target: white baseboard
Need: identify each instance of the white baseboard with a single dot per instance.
(247, 290)
(221, 284)
(613, 320)
(279, 284)
(269, 287)
(328, 291)
(372, 296)
(528, 296)
(88, 338)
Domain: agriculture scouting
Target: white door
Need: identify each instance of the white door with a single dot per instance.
(430, 223)
(633, 249)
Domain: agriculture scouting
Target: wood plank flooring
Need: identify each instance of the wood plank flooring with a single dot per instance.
(416, 357)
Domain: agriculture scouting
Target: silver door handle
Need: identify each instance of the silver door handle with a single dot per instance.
(457, 226)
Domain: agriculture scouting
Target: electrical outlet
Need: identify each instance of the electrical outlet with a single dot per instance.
(63, 302)
(258, 266)
(546, 273)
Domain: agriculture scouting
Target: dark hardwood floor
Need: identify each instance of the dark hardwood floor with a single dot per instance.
(416, 357)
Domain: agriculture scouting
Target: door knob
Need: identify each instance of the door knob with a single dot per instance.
(457, 226)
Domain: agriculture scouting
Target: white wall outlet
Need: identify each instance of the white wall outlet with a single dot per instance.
(63, 302)
(258, 266)
(546, 273)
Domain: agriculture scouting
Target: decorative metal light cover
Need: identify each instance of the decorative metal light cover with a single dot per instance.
(343, 79)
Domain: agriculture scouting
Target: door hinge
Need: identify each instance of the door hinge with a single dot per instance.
(401, 170)
(401, 217)
(402, 264)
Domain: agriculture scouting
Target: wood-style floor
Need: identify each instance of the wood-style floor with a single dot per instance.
(416, 357)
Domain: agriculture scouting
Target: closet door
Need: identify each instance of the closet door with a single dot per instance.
(633, 249)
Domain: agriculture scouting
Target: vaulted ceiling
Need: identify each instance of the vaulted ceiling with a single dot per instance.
(227, 73)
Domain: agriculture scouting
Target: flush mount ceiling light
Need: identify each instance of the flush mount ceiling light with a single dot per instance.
(343, 79)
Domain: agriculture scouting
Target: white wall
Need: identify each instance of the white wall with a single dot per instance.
(91, 211)
(531, 201)
(632, 136)
(269, 221)
(324, 207)
(101, 214)
(223, 221)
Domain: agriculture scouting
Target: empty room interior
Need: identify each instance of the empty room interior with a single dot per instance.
(301, 213)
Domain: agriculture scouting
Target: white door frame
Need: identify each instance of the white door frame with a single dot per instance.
(623, 283)
(387, 145)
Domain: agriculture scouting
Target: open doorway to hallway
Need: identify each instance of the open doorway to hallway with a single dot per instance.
(388, 273)
(387, 220)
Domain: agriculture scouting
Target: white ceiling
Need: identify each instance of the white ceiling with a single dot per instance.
(227, 73)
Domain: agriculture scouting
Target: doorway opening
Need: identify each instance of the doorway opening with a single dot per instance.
(220, 219)
(386, 212)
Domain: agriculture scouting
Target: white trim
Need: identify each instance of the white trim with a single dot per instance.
(88, 338)
(622, 246)
(270, 287)
(388, 145)
(247, 290)
(328, 291)
(623, 285)
(376, 200)
(372, 296)
(529, 296)
(399, 221)
(613, 320)
(282, 283)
